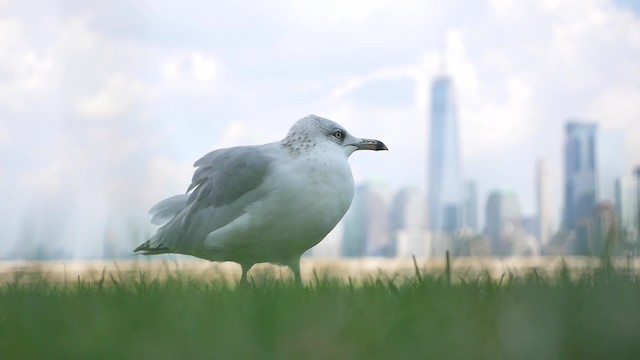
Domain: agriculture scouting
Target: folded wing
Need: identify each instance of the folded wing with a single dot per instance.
(224, 183)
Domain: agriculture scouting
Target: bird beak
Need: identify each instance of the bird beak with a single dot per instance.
(370, 144)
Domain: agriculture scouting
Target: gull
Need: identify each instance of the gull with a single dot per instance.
(263, 203)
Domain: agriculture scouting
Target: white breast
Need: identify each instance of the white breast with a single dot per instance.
(314, 199)
(308, 198)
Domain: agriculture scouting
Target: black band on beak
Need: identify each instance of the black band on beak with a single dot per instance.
(370, 144)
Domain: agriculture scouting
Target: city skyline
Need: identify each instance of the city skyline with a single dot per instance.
(599, 198)
(106, 105)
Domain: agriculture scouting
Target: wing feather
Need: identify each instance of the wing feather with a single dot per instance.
(168, 208)
(224, 184)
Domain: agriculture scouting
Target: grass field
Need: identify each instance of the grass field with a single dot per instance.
(595, 315)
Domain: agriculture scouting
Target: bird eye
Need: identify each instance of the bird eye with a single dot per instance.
(338, 134)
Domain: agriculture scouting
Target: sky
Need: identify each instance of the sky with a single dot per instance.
(105, 105)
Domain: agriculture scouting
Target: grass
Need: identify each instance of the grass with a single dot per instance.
(595, 315)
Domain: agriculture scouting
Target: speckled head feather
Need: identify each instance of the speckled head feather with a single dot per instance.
(304, 134)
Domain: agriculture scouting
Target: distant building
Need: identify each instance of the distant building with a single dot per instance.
(408, 210)
(580, 174)
(543, 202)
(598, 236)
(594, 161)
(627, 201)
(366, 224)
(604, 239)
(468, 242)
(518, 242)
(330, 246)
(637, 174)
(610, 163)
(440, 243)
(503, 214)
(413, 242)
(470, 213)
(627, 207)
(530, 225)
(409, 223)
(445, 171)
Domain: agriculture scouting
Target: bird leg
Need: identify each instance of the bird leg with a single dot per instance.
(294, 265)
(243, 278)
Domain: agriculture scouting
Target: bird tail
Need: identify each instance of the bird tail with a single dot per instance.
(146, 249)
(163, 212)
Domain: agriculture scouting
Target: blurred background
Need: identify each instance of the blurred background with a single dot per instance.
(513, 126)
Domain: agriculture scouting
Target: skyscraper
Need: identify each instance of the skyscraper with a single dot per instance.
(408, 223)
(579, 174)
(503, 214)
(445, 172)
(610, 164)
(627, 203)
(408, 210)
(543, 201)
(366, 223)
(471, 205)
(594, 161)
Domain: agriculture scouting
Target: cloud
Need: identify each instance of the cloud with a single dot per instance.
(5, 136)
(118, 94)
(619, 108)
(118, 107)
(353, 83)
(236, 132)
(495, 126)
(167, 177)
(190, 66)
(23, 70)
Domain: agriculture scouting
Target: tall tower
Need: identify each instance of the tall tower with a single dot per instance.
(445, 173)
(579, 174)
(543, 201)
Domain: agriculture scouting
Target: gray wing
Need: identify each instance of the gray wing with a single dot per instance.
(222, 176)
(168, 208)
(224, 183)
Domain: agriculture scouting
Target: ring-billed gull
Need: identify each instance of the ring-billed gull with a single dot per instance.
(263, 203)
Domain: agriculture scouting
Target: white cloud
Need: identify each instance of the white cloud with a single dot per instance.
(503, 7)
(5, 136)
(619, 108)
(118, 94)
(494, 126)
(190, 66)
(354, 83)
(194, 72)
(358, 13)
(23, 70)
(167, 177)
(235, 133)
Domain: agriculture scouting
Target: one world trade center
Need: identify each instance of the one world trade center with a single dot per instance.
(445, 172)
